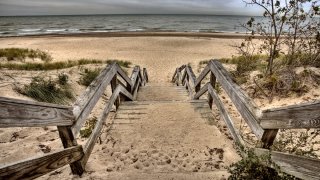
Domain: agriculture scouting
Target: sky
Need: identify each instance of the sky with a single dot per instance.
(73, 7)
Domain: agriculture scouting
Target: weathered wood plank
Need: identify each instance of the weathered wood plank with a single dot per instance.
(191, 75)
(114, 84)
(245, 106)
(184, 76)
(188, 87)
(145, 74)
(68, 140)
(203, 74)
(305, 115)
(86, 102)
(38, 166)
(203, 90)
(21, 113)
(177, 79)
(123, 75)
(135, 91)
(299, 166)
(225, 116)
(173, 79)
(213, 84)
(98, 127)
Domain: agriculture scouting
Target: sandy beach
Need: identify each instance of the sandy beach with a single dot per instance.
(161, 54)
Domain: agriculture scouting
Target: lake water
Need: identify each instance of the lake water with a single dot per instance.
(33, 25)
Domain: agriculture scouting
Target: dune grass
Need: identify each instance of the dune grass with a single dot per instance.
(88, 76)
(21, 54)
(49, 91)
(59, 65)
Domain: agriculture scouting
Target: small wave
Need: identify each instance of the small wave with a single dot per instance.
(7, 24)
(30, 30)
(73, 30)
(55, 30)
(135, 30)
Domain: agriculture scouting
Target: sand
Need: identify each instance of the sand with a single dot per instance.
(160, 55)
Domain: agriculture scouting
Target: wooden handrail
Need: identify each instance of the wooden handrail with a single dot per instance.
(299, 166)
(86, 102)
(98, 127)
(264, 124)
(21, 113)
(305, 115)
(69, 120)
(37, 166)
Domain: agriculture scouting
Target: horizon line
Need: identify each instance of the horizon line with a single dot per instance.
(191, 14)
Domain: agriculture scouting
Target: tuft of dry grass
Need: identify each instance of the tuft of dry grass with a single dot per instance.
(21, 54)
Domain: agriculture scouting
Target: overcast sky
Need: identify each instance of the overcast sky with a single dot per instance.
(63, 7)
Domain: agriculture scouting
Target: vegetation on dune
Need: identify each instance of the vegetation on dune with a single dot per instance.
(291, 38)
(288, 23)
(21, 54)
(59, 65)
(48, 90)
(122, 63)
(88, 76)
(252, 166)
(89, 126)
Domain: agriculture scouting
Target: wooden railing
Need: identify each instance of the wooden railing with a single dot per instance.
(69, 120)
(263, 123)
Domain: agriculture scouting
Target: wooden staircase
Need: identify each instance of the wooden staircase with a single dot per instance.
(159, 130)
(164, 134)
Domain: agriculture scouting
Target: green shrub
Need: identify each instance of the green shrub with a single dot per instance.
(21, 53)
(89, 126)
(252, 166)
(88, 76)
(63, 79)
(47, 91)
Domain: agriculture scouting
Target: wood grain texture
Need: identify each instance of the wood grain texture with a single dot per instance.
(86, 102)
(123, 75)
(202, 75)
(68, 140)
(299, 166)
(38, 166)
(192, 76)
(225, 116)
(245, 106)
(184, 76)
(203, 90)
(306, 115)
(21, 113)
(213, 84)
(145, 74)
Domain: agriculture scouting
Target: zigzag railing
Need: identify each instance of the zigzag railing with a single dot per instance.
(69, 120)
(263, 123)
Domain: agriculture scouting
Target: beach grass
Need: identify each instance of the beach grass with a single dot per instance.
(49, 91)
(88, 76)
(21, 54)
(28, 66)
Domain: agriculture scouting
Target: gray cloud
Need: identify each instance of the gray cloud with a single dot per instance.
(58, 7)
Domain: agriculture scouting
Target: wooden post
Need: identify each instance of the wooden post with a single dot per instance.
(213, 83)
(114, 83)
(187, 79)
(68, 140)
(178, 76)
(198, 87)
(268, 137)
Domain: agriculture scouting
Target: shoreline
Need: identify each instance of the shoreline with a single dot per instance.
(223, 35)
